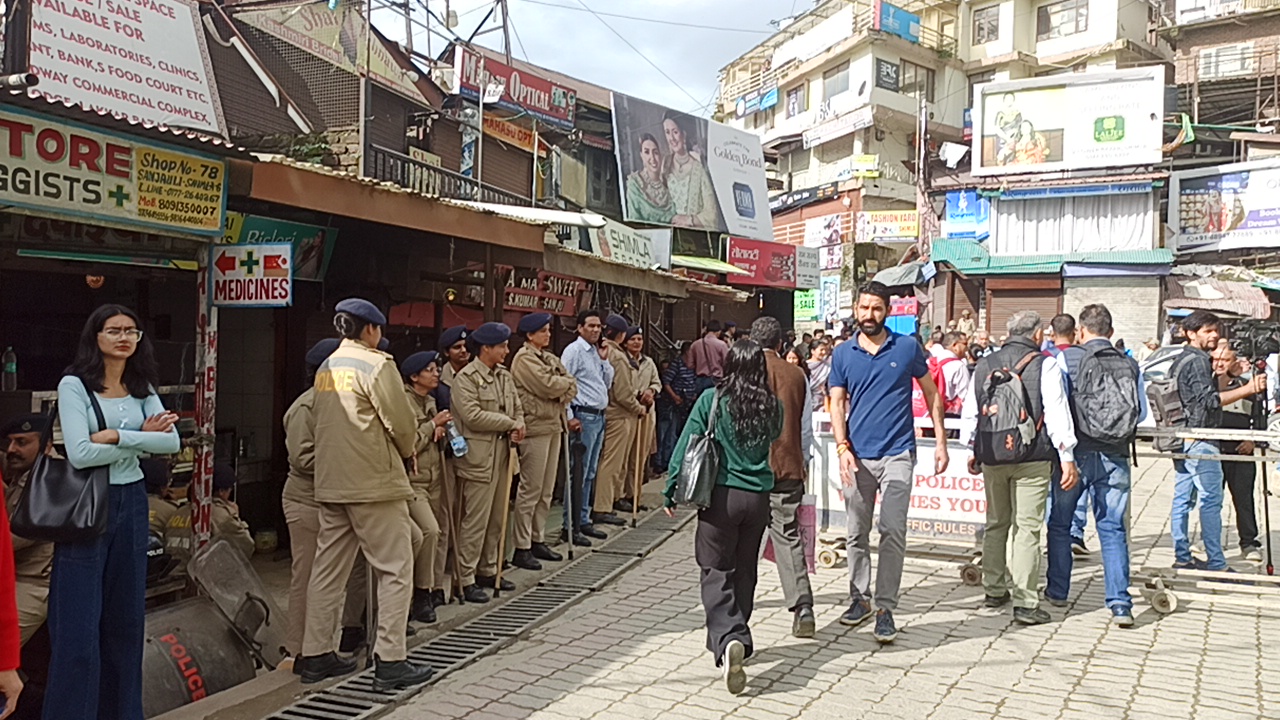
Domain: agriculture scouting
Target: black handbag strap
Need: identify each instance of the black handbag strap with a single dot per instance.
(97, 414)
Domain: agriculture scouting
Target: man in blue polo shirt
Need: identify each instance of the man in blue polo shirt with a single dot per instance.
(875, 437)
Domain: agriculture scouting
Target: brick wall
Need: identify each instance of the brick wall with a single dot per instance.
(1134, 303)
(1263, 32)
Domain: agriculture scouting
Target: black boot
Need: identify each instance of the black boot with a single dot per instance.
(487, 581)
(352, 638)
(422, 610)
(437, 599)
(542, 552)
(474, 594)
(399, 675)
(317, 668)
(525, 560)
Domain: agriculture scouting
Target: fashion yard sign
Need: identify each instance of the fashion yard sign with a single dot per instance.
(521, 92)
(252, 275)
(70, 169)
(143, 59)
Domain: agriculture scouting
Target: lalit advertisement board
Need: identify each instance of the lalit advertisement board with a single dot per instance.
(770, 264)
(1069, 122)
(689, 172)
(1227, 207)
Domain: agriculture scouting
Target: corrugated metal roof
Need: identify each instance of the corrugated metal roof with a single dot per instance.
(1231, 296)
(972, 258)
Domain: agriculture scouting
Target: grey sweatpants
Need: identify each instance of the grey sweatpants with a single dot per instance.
(893, 477)
(788, 546)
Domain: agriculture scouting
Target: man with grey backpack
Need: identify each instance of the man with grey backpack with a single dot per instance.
(1107, 403)
(1017, 406)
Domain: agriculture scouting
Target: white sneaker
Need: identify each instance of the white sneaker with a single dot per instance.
(1253, 554)
(735, 679)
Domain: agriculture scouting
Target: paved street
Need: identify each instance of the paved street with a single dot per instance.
(634, 650)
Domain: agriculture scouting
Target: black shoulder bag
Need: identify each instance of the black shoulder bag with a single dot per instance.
(63, 503)
(700, 465)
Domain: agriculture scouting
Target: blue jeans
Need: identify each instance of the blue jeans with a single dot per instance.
(1081, 518)
(1198, 478)
(670, 425)
(1105, 478)
(96, 616)
(592, 436)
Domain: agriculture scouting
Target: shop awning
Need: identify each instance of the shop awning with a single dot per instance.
(532, 215)
(278, 179)
(583, 265)
(1228, 296)
(971, 258)
(707, 265)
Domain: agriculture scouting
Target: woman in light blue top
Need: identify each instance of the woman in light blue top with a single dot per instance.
(97, 589)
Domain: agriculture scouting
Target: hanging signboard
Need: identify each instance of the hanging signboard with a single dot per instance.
(824, 230)
(829, 298)
(832, 257)
(70, 169)
(145, 60)
(520, 91)
(621, 244)
(851, 122)
(808, 274)
(1227, 207)
(805, 305)
(312, 244)
(770, 264)
(532, 290)
(891, 225)
(896, 21)
(252, 275)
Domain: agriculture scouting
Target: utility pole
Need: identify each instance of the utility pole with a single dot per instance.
(928, 222)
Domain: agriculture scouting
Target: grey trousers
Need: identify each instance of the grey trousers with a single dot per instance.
(893, 477)
(788, 547)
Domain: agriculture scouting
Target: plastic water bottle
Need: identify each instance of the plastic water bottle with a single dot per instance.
(10, 363)
(457, 443)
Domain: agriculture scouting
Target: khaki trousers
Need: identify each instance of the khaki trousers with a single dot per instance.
(481, 522)
(619, 446)
(304, 526)
(383, 532)
(358, 583)
(33, 605)
(539, 459)
(424, 558)
(442, 501)
(1015, 507)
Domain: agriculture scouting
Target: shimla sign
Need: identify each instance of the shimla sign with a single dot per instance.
(252, 275)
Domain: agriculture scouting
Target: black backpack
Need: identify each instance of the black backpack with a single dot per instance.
(1104, 396)
(1006, 428)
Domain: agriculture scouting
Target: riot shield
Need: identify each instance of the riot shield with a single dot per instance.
(229, 580)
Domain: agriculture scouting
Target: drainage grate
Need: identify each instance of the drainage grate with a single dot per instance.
(529, 609)
(660, 519)
(638, 542)
(328, 706)
(591, 572)
(456, 649)
(360, 687)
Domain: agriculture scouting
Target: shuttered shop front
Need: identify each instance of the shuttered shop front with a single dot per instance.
(964, 296)
(1006, 296)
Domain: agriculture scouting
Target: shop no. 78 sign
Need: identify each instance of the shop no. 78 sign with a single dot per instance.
(252, 275)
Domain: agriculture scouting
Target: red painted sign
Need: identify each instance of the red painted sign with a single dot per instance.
(529, 290)
(771, 264)
(522, 91)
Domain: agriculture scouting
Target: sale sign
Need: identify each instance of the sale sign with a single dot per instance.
(521, 91)
(72, 169)
(143, 59)
(770, 264)
(252, 275)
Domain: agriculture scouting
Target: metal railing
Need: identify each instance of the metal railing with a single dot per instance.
(391, 166)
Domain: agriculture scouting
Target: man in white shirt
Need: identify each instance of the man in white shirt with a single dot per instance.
(1017, 483)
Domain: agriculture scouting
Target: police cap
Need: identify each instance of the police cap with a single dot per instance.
(384, 344)
(31, 423)
(363, 309)
(321, 351)
(533, 322)
(417, 362)
(156, 474)
(633, 331)
(491, 333)
(453, 336)
(617, 323)
(224, 477)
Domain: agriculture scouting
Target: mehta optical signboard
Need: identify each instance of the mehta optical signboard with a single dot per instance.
(521, 91)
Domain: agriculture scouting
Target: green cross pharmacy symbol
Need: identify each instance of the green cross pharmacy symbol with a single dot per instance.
(249, 263)
(119, 195)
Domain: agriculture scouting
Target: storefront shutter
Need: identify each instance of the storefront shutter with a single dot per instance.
(964, 297)
(1006, 296)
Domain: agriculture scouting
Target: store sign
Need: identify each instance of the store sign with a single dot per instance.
(839, 127)
(800, 198)
(70, 169)
(887, 75)
(511, 134)
(968, 215)
(897, 225)
(896, 21)
(804, 306)
(952, 504)
(532, 290)
(770, 264)
(1069, 122)
(829, 298)
(338, 34)
(312, 244)
(621, 244)
(808, 274)
(864, 166)
(143, 59)
(1229, 207)
(824, 230)
(756, 101)
(832, 257)
(252, 275)
(521, 91)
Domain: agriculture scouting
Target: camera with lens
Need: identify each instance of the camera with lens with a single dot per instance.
(1255, 339)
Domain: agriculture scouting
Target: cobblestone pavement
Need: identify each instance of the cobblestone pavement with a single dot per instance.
(635, 650)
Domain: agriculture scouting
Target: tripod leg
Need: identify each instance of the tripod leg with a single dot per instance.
(512, 461)
(569, 509)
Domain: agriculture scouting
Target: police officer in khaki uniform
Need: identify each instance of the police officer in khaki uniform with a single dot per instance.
(32, 560)
(224, 521)
(545, 389)
(454, 356)
(488, 413)
(648, 384)
(621, 422)
(365, 435)
(422, 375)
(161, 507)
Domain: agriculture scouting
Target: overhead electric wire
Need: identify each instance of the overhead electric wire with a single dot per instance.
(637, 51)
(674, 23)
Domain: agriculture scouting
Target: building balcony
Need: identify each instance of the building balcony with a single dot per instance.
(396, 168)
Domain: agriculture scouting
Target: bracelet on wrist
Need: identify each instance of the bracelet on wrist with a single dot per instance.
(843, 447)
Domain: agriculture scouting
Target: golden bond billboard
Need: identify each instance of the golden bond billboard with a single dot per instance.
(68, 169)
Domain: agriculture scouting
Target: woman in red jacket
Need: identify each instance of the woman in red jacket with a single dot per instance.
(10, 643)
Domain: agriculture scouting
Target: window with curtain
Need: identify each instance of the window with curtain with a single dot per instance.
(1091, 223)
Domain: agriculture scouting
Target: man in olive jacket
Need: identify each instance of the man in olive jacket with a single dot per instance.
(488, 413)
(545, 388)
(621, 423)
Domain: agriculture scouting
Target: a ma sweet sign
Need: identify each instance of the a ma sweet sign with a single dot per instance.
(70, 169)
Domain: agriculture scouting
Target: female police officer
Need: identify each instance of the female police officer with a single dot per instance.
(365, 433)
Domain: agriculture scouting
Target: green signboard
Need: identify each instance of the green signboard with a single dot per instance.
(805, 305)
(312, 244)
